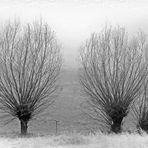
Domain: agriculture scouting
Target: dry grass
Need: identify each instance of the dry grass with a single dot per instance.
(78, 141)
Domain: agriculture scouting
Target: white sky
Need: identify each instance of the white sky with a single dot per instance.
(74, 20)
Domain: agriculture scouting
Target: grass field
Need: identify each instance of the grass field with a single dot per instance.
(77, 141)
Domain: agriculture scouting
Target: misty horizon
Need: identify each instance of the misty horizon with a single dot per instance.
(74, 21)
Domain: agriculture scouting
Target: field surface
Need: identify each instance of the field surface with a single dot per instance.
(77, 141)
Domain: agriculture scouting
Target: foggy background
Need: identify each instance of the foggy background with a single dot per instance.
(74, 20)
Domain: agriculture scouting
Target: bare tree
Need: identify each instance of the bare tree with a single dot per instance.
(113, 71)
(30, 64)
(140, 111)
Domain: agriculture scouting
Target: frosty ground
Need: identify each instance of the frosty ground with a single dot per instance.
(77, 141)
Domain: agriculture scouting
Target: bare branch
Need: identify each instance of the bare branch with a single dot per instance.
(113, 71)
(30, 65)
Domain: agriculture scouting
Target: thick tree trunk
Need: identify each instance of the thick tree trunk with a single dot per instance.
(116, 128)
(24, 127)
(142, 127)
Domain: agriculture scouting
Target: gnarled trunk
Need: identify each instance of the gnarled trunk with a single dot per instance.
(143, 126)
(24, 127)
(116, 126)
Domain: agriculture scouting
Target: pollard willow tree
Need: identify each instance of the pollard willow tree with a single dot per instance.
(30, 62)
(140, 107)
(112, 73)
(140, 110)
(140, 113)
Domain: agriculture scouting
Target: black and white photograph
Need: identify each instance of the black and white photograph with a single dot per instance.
(73, 73)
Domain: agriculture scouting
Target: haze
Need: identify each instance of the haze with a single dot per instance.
(74, 20)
